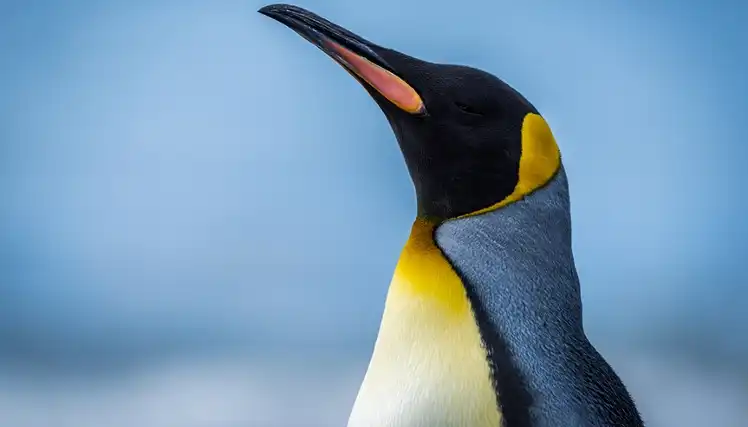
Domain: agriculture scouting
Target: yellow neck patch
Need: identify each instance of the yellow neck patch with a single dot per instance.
(429, 366)
(539, 161)
(424, 272)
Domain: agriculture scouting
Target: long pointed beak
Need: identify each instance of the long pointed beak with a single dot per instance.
(354, 53)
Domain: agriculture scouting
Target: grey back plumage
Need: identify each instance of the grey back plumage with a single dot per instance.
(518, 268)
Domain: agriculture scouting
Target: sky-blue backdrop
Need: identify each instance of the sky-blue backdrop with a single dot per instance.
(181, 178)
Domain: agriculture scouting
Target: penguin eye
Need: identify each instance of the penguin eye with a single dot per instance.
(468, 109)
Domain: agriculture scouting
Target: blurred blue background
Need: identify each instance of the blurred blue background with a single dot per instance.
(200, 212)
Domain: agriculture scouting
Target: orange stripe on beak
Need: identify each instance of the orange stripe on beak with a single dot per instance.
(387, 84)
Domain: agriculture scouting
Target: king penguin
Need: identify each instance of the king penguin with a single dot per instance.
(482, 324)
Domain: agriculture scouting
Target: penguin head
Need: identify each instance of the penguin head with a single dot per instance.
(471, 142)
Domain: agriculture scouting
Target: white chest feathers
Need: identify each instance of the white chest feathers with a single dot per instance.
(429, 366)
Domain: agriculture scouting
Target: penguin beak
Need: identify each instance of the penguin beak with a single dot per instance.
(357, 55)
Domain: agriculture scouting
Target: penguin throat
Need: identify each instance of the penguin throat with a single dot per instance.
(429, 365)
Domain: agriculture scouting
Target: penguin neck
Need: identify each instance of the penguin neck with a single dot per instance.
(517, 266)
(519, 254)
(429, 366)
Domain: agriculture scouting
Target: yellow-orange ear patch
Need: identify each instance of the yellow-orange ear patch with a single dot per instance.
(392, 87)
(538, 163)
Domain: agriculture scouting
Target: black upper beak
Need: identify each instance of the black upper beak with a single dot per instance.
(317, 29)
(360, 57)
